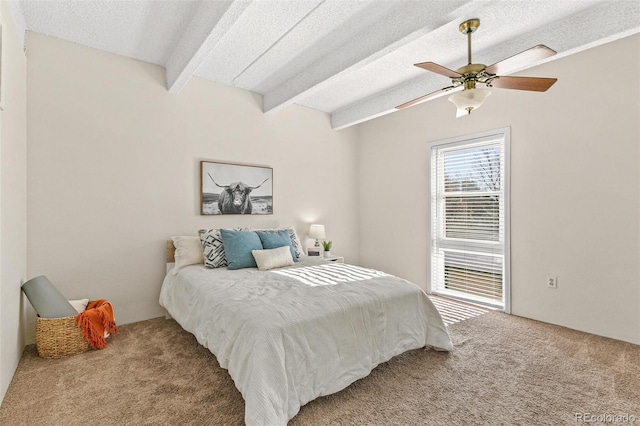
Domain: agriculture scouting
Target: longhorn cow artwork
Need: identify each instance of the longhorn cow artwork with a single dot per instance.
(236, 189)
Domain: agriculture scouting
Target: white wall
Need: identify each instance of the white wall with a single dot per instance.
(114, 170)
(575, 189)
(13, 198)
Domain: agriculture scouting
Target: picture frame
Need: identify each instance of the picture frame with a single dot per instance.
(228, 188)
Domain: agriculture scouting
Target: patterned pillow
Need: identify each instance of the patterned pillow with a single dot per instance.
(212, 248)
(295, 241)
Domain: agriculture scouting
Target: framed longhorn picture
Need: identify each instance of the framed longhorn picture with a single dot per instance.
(235, 189)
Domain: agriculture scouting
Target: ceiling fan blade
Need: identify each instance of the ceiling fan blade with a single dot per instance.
(427, 97)
(520, 60)
(438, 69)
(534, 84)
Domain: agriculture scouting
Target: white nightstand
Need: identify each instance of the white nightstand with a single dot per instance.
(336, 259)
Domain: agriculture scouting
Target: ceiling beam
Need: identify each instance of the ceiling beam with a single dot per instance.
(261, 30)
(208, 25)
(403, 26)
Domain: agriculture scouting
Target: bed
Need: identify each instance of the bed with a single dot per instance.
(290, 335)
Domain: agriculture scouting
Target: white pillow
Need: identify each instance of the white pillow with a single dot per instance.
(188, 252)
(273, 258)
(79, 305)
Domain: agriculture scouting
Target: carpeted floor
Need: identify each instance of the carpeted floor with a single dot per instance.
(504, 370)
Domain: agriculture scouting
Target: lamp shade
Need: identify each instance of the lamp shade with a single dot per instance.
(317, 231)
(468, 100)
(47, 301)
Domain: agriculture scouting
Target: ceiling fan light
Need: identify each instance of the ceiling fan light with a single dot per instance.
(468, 100)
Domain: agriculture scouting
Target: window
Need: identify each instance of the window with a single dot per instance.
(469, 252)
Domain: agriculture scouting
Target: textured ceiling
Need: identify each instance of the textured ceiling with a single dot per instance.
(350, 58)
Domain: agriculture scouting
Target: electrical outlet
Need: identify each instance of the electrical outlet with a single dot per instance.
(552, 282)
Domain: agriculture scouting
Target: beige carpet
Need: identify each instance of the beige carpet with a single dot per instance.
(503, 370)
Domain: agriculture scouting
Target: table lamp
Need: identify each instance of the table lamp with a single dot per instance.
(317, 232)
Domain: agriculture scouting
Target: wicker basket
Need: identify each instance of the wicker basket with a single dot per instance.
(59, 337)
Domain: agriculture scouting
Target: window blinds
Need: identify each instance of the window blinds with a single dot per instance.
(468, 219)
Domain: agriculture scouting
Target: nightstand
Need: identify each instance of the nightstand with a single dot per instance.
(336, 259)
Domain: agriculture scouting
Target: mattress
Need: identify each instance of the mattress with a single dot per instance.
(290, 335)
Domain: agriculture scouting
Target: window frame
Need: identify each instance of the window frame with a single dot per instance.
(469, 140)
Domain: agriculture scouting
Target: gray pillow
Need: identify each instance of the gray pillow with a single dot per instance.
(47, 301)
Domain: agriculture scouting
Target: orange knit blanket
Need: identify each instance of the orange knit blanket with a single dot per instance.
(95, 321)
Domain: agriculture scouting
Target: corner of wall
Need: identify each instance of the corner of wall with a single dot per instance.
(13, 192)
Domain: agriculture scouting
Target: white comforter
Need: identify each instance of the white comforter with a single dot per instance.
(289, 338)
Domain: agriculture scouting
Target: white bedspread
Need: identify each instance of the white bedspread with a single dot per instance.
(288, 338)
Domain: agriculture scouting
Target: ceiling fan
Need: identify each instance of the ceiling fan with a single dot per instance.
(466, 78)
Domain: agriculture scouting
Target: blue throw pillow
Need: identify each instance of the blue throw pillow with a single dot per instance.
(271, 240)
(238, 246)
